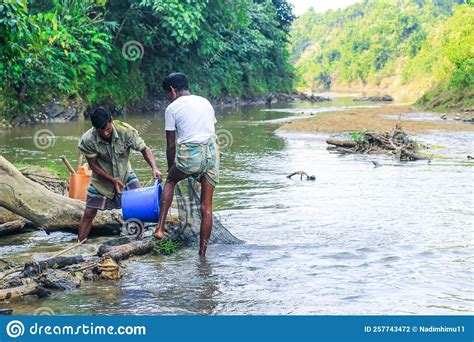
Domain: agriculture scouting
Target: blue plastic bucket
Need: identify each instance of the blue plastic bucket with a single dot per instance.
(142, 204)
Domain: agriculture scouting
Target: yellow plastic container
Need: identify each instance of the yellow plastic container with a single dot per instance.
(78, 183)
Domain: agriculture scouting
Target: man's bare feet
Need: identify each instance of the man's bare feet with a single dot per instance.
(159, 234)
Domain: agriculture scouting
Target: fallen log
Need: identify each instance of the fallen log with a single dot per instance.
(34, 278)
(30, 287)
(344, 150)
(411, 155)
(12, 227)
(341, 143)
(7, 216)
(127, 250)
(45, 208)
(13, 223)
(35, 268)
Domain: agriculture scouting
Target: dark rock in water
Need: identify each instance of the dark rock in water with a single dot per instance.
(35, 268)
(314, 98)
(32, 269)
(57, 110)
(6, 311)
(378, 98)
(280, 97)
(467, 116)
(91, 275)
(57, 279)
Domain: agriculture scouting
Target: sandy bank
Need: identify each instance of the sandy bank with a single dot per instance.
(361, 119)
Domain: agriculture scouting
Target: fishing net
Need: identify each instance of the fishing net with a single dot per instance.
(187, 225)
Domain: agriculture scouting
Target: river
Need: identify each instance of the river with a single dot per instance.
(396, 239)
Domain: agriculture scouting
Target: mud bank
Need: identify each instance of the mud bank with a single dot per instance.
(374, 119)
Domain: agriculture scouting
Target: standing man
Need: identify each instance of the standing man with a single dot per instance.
(107, 148)
(191, 150)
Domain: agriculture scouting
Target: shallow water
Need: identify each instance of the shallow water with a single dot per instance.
(396, 239)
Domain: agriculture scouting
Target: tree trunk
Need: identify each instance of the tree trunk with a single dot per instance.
(30, 287)
(7, 216)
(43, 207)
(12, 227)
(127, 250)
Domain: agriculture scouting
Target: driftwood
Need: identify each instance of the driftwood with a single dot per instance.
(12, 227)
(61, 273)
(344, 150)
(7, 216)
(125, 251)
(28, 288)
(396, 143)
(43, 207)
(35, 268)
(341, 143)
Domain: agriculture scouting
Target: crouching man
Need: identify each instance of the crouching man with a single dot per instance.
(191, 150)
(107, 148)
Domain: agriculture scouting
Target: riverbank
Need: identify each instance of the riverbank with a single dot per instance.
(378, 119)
(64, 109)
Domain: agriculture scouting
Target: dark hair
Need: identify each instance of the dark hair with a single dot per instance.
(100, 117)
(176, 80)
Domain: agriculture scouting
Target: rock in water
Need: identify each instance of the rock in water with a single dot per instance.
(378, 98)
(58, 279)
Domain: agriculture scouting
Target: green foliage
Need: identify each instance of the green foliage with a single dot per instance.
(60, 50)
(67, 47)
(446, 60)
(357, 136)
(425, 42)
(167, 246)
(180, 20)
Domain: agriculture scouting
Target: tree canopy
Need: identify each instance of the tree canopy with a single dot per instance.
(118, 51)
(423, 41)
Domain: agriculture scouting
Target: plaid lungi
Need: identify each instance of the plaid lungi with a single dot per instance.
(98, 201)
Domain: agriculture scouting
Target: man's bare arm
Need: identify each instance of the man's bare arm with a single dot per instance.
(150, 159)
(170, 147)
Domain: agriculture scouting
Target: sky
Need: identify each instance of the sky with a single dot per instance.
(319, 5)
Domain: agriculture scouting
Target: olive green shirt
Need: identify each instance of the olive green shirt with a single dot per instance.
(112, 156)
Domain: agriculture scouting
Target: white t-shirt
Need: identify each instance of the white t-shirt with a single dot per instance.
(193, 119)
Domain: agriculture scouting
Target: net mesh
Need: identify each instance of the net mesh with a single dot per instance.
(188, 225)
